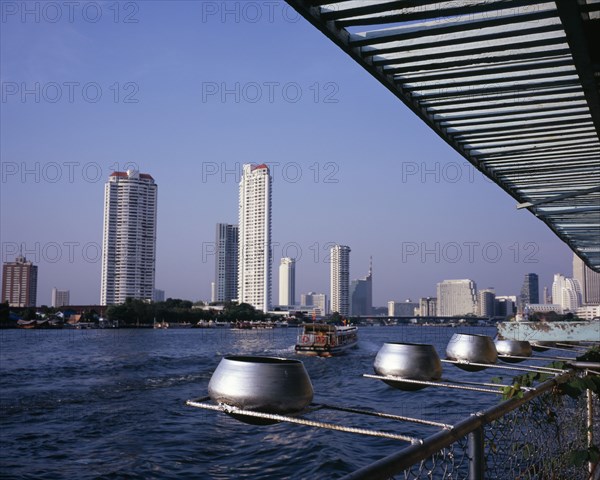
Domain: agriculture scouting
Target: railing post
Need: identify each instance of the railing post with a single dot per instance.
(590, 425)
(476, 454)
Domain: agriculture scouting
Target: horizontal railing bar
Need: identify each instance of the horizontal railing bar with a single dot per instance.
(397, 462)
(505, 367)
(386, 415)
(200, 403)
(432, 383)
(533, 357)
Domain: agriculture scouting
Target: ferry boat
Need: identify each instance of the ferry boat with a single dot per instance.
(324, 340)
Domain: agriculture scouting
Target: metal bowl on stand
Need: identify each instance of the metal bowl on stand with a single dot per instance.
(519, 348)
(414, 361)
(265, 384)
(464, 347)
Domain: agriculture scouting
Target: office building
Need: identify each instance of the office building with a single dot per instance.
(456, 298)
(589, 282)
(588, 312)
(254, 249)
(60, 298)
(129, 237)
(408, 308)
(530, 291)
(19, 283)
(226, 263)
(287, 281)
(361, 294)
(339, 279)
(315, 301)
(505, 306)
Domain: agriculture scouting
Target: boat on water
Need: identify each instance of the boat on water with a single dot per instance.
(324, 340)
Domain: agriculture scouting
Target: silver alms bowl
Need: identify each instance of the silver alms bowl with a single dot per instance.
(519, 348)
(264, 384)
(471, 348)
(414, 361)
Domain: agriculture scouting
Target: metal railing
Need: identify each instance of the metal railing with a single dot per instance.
(540, 435)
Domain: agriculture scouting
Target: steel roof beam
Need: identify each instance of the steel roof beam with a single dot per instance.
(471, 51)
(570, 17)
(434, 13)
(445, 42)
(538, 55)
(358, 41)
(522, 80)
(434, 109)
(558, 197)
(369, 9)
(512, 68)
(523, 117)
(505, 89)
(522, 128)
(548, 94)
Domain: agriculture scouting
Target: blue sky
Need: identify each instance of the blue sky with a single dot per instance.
(188, 92)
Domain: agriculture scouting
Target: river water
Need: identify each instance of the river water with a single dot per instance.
(104, 404)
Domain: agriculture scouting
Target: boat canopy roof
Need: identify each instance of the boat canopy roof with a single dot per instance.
(325, 327)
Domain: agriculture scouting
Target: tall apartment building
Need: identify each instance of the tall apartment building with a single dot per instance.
(19, 283)
(588, 280)
(254, 257)
(339, 279)
(60, 298)
(486, 302)
(287, 281)
(129, 237)
(361, 294)
(456, 297)
(530, 292)
(226, 263)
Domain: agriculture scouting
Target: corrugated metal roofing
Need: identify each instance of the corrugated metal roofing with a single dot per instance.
(512, 85)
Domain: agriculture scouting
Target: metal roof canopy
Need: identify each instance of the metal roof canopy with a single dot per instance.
(511, 85)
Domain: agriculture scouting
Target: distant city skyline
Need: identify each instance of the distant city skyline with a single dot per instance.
(338, 180)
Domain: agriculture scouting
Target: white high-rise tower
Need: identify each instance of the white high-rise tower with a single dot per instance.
(340, 279)
(287, 281)
(129, 237)
(589, 281)
(566, 292)
(254, 249)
